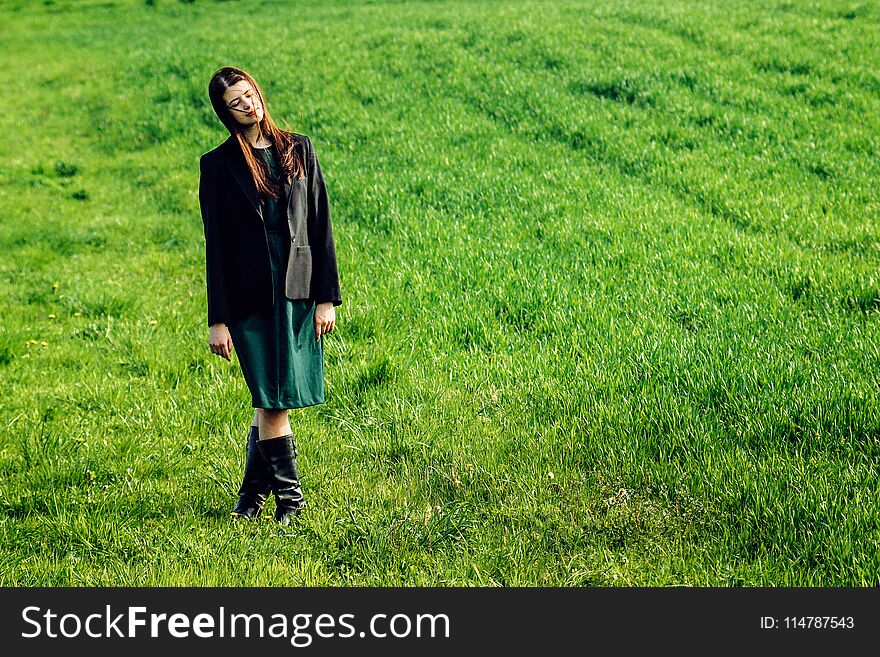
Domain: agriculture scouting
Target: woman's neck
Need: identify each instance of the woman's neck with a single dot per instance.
(254, 137)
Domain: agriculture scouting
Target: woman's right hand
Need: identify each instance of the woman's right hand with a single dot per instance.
(221, 341)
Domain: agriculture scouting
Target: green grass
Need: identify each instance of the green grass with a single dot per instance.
(610, 281)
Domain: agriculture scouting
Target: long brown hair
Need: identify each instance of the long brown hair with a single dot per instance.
(291, 163)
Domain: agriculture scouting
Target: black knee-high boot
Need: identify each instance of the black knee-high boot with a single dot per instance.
(280, 454)
(255, 487)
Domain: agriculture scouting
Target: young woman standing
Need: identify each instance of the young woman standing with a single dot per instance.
(272, 279)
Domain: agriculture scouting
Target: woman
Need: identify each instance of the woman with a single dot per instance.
(272, 279)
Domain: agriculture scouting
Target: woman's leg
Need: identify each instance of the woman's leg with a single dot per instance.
(273, 422)
(278, 449)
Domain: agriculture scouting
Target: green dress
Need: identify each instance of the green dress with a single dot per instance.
(282, 363)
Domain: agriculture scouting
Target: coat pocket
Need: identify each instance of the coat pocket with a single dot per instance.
(298, 282)
(297, 214)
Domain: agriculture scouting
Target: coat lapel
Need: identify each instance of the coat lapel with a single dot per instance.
(238, 167)
(235, 163)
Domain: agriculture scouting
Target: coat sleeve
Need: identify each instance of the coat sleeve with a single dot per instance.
(325, 274)
(209, 188)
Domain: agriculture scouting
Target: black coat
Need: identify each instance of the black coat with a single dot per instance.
(239, 275)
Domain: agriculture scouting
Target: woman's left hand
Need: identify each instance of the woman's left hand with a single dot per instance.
(325, 319)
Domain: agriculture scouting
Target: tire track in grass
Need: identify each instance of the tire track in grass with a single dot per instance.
(590, 142)
(815, 40)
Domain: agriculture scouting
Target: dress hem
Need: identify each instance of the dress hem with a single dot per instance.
(286, 405)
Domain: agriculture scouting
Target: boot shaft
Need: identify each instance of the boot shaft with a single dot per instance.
(280, 455)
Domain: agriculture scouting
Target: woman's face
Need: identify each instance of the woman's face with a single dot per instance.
(244, 103)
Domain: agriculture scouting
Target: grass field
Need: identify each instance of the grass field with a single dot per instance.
(611, 299)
